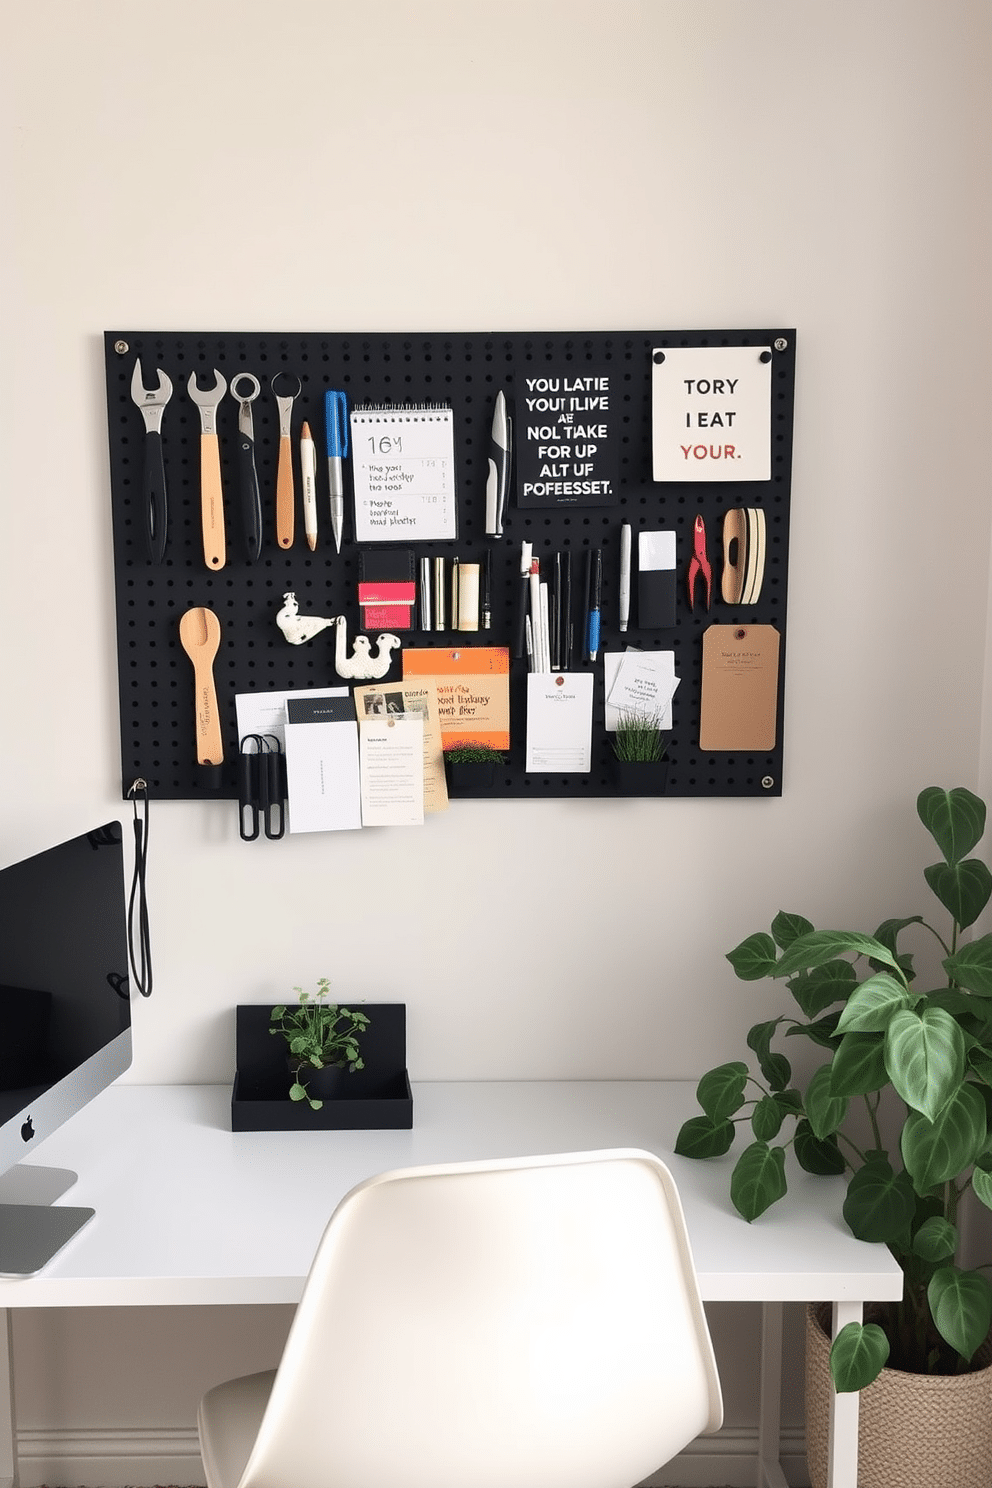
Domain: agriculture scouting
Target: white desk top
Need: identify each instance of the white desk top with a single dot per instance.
(189, 1212)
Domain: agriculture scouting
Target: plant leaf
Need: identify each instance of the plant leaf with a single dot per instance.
(700, 1136)
(824, 1158)
(822, 1032)
(937, 1151)
(788, 927)
(962, 888)
(889, 931)
(880, 1204)
(961, 1307)
(824, 945)
(767, 1118)
(754, 958)
(971, 966)
(857, 1356)
(925, 1057)
(869, 1009)
(981, 1182)
(775, 1067)
(758, 1179)
(824, 1110)
(954, 818)
(721, 1090)
(859, 1064)
(817, 989)
(936, 1240)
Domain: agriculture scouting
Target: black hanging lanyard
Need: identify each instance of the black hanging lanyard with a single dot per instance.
(138, 934)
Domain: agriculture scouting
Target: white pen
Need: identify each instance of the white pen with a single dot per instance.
(625, 541)
(308, 473)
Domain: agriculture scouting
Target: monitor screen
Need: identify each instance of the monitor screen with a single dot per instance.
(65, 1013)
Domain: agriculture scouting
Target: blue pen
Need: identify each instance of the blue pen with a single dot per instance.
(336, 423)
(595, 602)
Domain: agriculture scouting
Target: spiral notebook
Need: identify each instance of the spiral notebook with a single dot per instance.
(403, 465)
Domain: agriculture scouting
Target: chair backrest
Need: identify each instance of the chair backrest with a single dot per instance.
(495, 1325)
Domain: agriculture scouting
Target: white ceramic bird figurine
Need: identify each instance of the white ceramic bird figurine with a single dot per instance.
(298, 628)
(362, 664)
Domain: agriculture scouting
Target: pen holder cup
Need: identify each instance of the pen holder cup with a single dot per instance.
(640, 777)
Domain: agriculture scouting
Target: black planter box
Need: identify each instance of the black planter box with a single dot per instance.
(380, 1096)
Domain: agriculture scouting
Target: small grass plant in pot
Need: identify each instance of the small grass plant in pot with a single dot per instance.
(322, 1042)
(919, 1063)
(640, 754)
(471, 768)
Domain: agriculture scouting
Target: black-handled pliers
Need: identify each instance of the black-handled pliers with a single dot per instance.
(251, 502)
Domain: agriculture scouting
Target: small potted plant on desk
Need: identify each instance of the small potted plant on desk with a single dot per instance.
(640, 763)
(322, 1043)
(919, 1065)
(471, 768)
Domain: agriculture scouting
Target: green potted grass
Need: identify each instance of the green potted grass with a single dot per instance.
(471, 769)
(640, 760)
(322, 1044)
(919, 1065)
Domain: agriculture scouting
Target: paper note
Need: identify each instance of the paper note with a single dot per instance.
(711, 412)
(739, 697)
(559, 722)
(473, 691)
(403, 463)
(322, 764)
(397, 700)
(641, 682)
(392, 762)
(265, 712)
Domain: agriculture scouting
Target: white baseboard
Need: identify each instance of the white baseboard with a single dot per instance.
(143, 1457)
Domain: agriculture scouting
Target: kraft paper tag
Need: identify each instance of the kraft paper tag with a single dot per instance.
(740, 687)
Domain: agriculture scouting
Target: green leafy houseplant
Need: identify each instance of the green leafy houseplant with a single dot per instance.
(474, 754)
(318, 1033)
(928, 1055)
(638, 739)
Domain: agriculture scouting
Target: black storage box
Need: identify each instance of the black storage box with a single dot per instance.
(379, 1098)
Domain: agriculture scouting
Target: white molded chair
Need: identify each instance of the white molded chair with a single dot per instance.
(529, 1323)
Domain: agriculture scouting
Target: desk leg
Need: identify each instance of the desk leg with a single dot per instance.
(8, 1462)
(842, 1451)
(770, 1474)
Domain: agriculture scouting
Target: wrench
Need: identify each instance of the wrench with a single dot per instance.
(152, 404)
(211, 495)
(251, 505)
(285, 494)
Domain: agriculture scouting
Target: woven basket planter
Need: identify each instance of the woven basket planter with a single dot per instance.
(914, 1431)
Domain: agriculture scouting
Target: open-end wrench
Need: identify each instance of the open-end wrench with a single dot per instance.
(211, 495)
(251, 505)
(285, 493)
(151, 404)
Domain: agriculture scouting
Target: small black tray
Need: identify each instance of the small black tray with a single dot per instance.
(381, 1099)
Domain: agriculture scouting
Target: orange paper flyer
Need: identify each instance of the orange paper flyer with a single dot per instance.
(473, 691)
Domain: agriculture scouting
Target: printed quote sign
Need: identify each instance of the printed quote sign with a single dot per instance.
(564, 439)
(711, 413)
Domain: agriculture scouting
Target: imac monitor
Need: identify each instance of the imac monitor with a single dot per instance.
(65, 1025)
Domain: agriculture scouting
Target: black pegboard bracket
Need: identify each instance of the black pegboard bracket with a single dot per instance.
(465, 370)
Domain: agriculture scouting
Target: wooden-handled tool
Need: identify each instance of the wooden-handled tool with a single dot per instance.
(743, 555)
(285, 492)
(211, 494)
(199, 632)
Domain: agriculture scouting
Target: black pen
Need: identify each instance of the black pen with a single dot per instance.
(595, 602)
(586, 602)
(486, 607)
(556, 615)
(566, 611)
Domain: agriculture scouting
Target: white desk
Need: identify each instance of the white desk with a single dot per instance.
(147, 1154)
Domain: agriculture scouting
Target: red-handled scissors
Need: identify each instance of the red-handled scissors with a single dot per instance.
(700, 564)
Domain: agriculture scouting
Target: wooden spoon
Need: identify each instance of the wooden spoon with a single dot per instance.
(199, 632)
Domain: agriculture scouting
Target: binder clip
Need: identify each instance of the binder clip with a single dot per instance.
(261, 787)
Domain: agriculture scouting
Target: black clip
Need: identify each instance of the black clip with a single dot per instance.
(261, 787)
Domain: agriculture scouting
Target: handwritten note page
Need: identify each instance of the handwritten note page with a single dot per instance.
(403, 462)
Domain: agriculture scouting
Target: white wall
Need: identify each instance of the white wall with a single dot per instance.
(315, 165)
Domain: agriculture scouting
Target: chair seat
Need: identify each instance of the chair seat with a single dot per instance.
(228, 1420)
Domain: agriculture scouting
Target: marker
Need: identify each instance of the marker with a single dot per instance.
(308, 472)
(336, 421)
(625, 542)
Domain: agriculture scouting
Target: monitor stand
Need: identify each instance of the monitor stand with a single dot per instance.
(33, 1228)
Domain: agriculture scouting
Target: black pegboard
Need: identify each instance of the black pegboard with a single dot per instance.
(464, 370)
